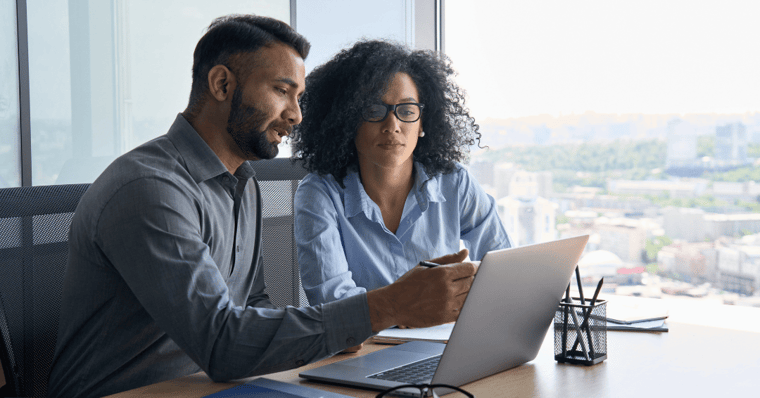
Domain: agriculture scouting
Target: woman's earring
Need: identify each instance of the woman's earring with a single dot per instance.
(422, 133)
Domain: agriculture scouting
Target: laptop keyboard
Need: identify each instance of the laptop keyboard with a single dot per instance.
(415, 372)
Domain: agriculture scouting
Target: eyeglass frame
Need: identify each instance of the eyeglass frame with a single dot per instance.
(393, 108)
(425, 389)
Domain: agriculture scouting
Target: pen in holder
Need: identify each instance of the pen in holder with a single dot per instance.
(580, 332)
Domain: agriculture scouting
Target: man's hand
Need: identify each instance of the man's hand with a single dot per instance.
(423, 296)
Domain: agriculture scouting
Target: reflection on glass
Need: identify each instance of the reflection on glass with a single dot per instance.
(108, 76)
(10, 149)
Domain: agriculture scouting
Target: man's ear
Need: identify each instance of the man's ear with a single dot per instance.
(221, 83)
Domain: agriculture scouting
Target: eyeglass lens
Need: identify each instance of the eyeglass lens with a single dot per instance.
(425, 390)
(404, 112)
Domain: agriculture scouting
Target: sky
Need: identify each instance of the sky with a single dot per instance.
(521, 58)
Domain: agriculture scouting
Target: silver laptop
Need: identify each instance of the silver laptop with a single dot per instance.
(502, 324)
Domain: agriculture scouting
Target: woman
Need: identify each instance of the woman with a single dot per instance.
(383, 131)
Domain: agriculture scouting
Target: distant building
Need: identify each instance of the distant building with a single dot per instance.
(545, 184)
(731, 144)
(508, 180)
(717, 225)
(624, 237)
(586, 218)
(604, 203)
(674, 189)
(524, 183)
(692, 262)
(695, 225)
(502, 178)
(528, 220)
(739, 269)
(684, 223)
(747, 190)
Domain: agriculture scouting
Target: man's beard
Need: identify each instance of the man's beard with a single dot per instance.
(245, 126)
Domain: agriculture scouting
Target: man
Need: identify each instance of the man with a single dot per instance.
(164, 276)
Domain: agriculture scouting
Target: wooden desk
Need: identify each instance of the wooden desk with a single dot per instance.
(689, 361)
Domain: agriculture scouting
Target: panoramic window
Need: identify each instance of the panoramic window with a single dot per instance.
(108, 76)
(637, 123)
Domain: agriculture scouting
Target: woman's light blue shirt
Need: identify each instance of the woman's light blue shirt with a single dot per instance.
(344, 248)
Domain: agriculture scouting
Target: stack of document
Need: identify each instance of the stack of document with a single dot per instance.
(636, 318)
(644, 326)
(394, 335)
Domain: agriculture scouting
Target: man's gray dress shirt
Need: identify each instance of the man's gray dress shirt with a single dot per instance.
(162, 282)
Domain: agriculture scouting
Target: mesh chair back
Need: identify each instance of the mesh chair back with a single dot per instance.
(34, 227)
(278, 179)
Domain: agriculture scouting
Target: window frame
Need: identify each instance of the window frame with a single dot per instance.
(25, 128)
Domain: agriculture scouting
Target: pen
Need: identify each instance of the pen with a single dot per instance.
(580, 286)
(579, 337)
(596, 292)
(587, 318)
(579, 334)
(428, 264)
(565, 320)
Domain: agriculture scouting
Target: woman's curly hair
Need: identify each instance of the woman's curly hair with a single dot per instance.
(337, 91)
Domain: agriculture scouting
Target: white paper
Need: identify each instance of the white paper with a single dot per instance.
(439, 333)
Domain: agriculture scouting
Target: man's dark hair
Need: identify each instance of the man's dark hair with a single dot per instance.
(232, 35)
(337, 91)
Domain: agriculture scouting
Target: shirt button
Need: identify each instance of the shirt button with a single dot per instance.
(300, 362)
(237, 248)
(351, 341)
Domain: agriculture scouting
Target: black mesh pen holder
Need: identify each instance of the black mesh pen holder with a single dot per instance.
(580, 333)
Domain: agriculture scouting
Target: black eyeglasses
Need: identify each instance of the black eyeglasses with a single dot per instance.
(425, 390)
(408, 112)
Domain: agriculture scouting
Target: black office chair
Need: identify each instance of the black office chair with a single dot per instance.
(34, 227)
(278, 179)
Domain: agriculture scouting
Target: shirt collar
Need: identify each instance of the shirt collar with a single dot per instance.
(202, 163)
(426, 189)
(356, 199)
